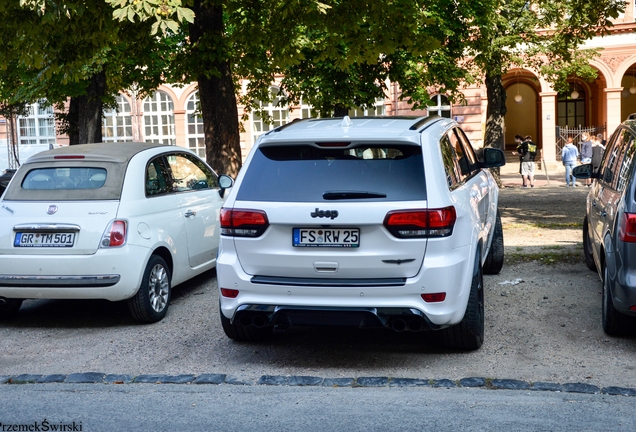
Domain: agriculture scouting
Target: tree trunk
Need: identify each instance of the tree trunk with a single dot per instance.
(72, 121)
(495, 113)
(216, 90)
(90, 110)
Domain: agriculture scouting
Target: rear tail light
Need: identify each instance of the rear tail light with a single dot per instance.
(421, 223)
(115, 234)
(434, 297)
(627, 228)
(243, 223)
(229, 293)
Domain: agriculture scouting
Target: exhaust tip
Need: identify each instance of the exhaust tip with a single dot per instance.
(415, 325)
(258, 321)
(398, 325)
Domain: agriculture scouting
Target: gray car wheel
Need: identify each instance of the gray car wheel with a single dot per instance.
(614, 322)
(151, 302)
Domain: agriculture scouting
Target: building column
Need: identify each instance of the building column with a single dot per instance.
(613, 100)
(180, 127)
(548, 130)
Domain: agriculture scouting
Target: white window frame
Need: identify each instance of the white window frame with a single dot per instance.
(117, 123)
(159, 118)
(443, 106)
(195, 136)
(280, 115)
(378, 109)
(38, 127)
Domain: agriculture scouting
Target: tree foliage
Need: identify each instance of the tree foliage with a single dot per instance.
(544, 35)
(61, 49)
(334, 54)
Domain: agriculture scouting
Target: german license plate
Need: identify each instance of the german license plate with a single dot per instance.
(29, 239)
(326, 237)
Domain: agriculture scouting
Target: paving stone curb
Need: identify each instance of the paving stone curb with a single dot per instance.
(313, 381)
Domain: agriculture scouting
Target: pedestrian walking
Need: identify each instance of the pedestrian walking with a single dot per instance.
(586, 154)
(519, 141)
(527, 153)
(569, 157)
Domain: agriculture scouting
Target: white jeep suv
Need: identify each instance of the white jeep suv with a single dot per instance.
(385, 222)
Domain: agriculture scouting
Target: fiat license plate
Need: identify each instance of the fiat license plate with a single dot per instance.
(29, 239)
(326, 237)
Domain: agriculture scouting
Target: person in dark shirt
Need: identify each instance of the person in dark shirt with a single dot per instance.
(527, 151)
(519, 141)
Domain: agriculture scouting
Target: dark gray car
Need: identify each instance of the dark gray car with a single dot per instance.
(609, 228)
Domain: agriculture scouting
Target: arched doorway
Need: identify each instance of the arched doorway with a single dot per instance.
(522, 116)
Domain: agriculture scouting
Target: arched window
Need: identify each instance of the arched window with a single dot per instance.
(194, 135)
(378, 109)
(117, 124)
(305, 110)
(441, 108)
(159, 119)
(38, 127)
(279, 115)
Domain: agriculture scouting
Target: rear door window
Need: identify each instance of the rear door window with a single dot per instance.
(307, 173)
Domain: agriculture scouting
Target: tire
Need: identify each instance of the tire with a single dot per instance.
(614, 322)
(495, 259)
(468, 335)
(9, 308)
(240, 333)
(587, 247)
(151, 302)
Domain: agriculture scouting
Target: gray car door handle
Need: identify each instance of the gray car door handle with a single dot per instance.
(190, 213)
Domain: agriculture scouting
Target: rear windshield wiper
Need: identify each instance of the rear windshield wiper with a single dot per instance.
(339, 195)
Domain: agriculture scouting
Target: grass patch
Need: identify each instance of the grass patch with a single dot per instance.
(557, 225)
(547, 258)
(552, 247)
(544, 225)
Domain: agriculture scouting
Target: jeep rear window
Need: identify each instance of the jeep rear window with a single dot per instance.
(304, 173)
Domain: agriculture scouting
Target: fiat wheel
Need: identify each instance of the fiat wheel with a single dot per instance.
(151, 302)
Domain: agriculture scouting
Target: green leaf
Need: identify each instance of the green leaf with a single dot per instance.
(185, 14)
(172, 25)
(131, 14)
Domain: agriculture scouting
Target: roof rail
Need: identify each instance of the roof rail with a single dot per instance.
(425, 120)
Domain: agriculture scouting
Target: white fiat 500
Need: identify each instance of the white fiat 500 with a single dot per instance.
(386, 222)
(115, 221)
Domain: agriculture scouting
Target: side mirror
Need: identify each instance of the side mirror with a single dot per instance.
(583, 171)
(492, 157)
(225, 182)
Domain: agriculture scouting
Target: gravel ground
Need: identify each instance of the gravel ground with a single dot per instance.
(542, 324)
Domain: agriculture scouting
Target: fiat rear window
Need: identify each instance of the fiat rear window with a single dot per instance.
(306, 173)
(64, 178)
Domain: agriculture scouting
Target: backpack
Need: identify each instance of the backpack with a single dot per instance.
(532, 147)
